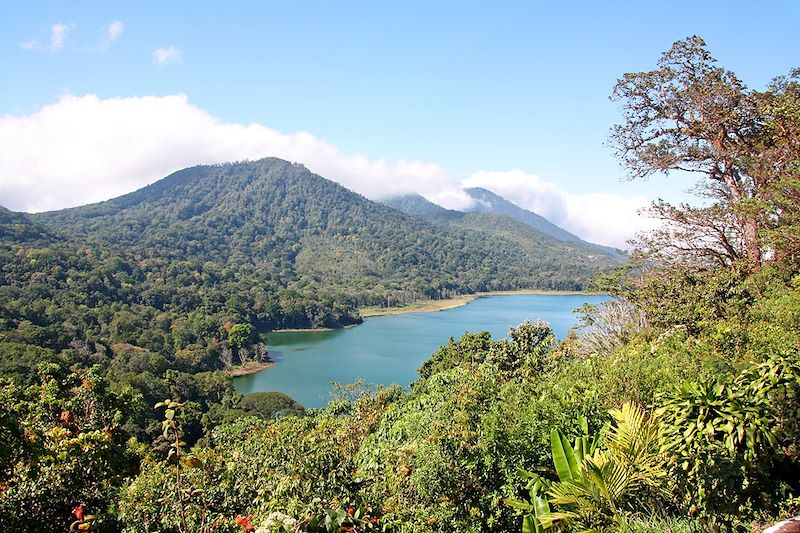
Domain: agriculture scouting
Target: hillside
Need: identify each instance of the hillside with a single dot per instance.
(417, 205)
(500, 219)
(489, 202)
(302, 230)
(18, 228)
(161, 290)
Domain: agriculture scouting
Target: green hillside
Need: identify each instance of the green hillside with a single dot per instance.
(500, 220)
(417, 205)
(299, 230)
(489, 202)
(166, 287)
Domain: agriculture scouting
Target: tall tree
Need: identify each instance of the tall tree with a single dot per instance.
(778, 162)
(691, 115)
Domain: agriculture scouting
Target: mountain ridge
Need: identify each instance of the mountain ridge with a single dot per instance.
(487, 202)
(284, 221)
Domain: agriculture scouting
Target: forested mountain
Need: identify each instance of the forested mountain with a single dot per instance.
(417, 205)
(497, 216)
(18, 228)
(195, 266)
(299, 230)
(488, 202)
(161, 289)
(183, 275)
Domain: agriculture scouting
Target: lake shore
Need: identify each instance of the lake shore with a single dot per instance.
(289, 330)
(390, 349)
(423, 306)
(248, 369)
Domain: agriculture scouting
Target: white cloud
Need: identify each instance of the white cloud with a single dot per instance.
(169, 54)
(58, 33)
(596, 217)
(111, 32)
(85, 149)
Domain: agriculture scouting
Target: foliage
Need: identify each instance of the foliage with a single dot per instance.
(526, 350)
(444, 457)
(62, 447)
(601, 481)
(690, 115)
(608, 326)
(728, 439)
(269, 405)
(187, 493)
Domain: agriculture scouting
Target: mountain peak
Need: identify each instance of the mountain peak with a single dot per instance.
(487, 201)
(417, 205)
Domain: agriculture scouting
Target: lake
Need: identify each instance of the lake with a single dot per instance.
(389, 349)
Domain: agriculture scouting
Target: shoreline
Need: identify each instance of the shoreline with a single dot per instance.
(424, 306)
(295, 330)
(429, 306)
(248, 369)
(419, 306)
(292, 330)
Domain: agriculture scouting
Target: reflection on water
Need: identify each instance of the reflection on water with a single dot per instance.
(288, 338)
(389, 349)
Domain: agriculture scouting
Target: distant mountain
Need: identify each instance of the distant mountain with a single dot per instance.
(302, 230)
(418, 206)
(19, 228)
(488, 203)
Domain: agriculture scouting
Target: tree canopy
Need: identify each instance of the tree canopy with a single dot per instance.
(691, 115)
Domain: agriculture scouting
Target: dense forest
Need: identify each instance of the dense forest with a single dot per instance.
(674, 408)
(499, 219)
(301, 231)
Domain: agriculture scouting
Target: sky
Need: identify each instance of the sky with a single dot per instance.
(98, 99)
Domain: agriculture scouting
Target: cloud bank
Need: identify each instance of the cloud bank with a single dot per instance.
(84, 149)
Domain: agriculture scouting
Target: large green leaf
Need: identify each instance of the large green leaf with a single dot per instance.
(541, 508)
(530, 525)
(563, 456)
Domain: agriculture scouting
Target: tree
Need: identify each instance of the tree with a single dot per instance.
(693, 116)
(780, 149)
(239, 335)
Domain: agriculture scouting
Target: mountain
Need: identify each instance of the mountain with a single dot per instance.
(495, 226)
(417, 205)
(495, 215)
(19, 228)
(488, 202)
(301, 230)
(162, 288)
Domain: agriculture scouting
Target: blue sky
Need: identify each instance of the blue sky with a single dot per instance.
(464, 86)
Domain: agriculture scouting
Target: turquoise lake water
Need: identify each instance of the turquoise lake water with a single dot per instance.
(389, 349)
